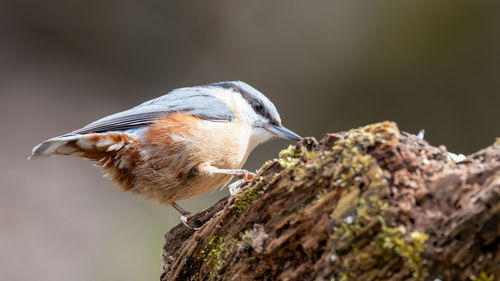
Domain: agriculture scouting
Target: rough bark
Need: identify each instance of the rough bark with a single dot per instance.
(372, 203)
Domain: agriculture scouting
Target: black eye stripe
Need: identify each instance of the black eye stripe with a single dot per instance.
(250, 99)
(257, 106)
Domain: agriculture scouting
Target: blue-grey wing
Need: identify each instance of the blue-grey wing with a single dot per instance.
(196, 101)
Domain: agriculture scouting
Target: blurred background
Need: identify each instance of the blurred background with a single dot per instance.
(327, 65)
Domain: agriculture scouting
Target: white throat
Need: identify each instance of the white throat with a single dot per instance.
(247, 116)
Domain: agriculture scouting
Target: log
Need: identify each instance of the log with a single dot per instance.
(371, 203)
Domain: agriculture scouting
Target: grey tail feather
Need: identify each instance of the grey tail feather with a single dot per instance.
(51, 146)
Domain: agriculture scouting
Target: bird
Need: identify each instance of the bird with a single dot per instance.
(179, 145)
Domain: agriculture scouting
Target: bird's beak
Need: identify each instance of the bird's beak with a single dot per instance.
(283, 132)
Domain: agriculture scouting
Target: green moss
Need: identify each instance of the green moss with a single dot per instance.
(211, 254)
(363, 180)
(248, 196)
(352, 152)
(483, 276)
(362, 205)
(312, 154)
(275, 178)
(244, 199)
(214, 246)
(266, 165)
(365, 190)
(344, 277)
(300, 173)
(409, 247)
(289, 158)
(364, 137)
(358, 210)
(356, 215)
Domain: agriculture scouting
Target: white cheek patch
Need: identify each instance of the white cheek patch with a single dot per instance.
(260, 135)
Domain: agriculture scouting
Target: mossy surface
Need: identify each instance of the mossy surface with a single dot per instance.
(290, 157)
(396, 240)
(211, 254)
(483, 276)
(246, 197)
(356, 206)
(365, 187)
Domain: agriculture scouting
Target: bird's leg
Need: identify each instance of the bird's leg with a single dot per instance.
(241, 174)
(184, 215)
(208, 169)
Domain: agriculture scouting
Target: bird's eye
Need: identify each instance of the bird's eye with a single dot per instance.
(257, 106)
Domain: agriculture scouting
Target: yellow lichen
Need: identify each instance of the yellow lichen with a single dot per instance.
(290, 157)
(358, 208)
(312, 154)
(396, 240)
(266, 165)
(300, 173)
(483, 276)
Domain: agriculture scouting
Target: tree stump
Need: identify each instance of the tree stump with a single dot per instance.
(372, 203)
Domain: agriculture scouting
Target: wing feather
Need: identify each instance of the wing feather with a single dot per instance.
(196, 101)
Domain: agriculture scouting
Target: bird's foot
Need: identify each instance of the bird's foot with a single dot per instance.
(185, 215)
(184, 221)
(244, 175)
(235, 187)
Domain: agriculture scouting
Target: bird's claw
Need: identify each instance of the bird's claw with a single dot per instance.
(234, 188)
(184, 221)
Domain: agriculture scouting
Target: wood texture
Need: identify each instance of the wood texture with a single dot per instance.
(372, 203)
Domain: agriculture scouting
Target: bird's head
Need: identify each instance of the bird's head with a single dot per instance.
(257, 111)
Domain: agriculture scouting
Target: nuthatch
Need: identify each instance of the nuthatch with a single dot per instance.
(179, 145)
